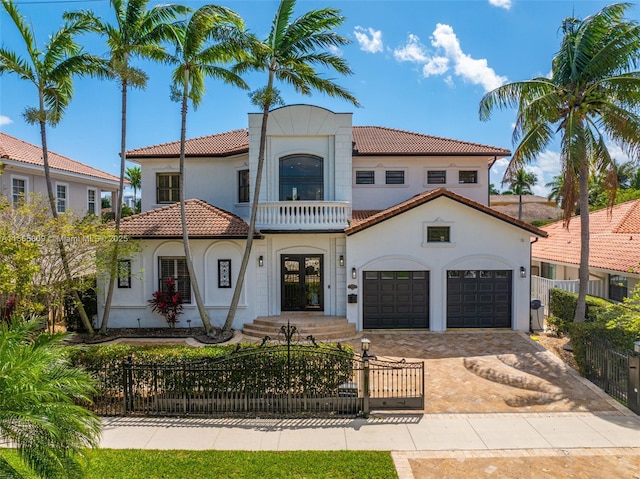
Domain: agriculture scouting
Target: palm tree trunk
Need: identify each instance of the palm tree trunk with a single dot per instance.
(204, 317)
(113, 270)
(583, 273)
(233, 307)
(520, 207)
(54, 212)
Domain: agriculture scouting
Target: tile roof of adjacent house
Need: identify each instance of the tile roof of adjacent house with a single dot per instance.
(614, 240)
(203, 221)
(364, 219)
(14, 149)
(368, 140)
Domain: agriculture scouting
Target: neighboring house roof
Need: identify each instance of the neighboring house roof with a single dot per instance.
(511, 199)
(368, 140)
(14, 149)
(203, 221)
(614, 240)
(362, 219)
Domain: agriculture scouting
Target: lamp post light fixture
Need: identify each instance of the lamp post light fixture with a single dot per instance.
(261, 261)
(365, 344)
(341, 260)
(354, 273)
(523, 272)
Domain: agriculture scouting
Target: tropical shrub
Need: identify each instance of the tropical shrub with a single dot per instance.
(168, 302)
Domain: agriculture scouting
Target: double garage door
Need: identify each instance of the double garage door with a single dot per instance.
(400, 299)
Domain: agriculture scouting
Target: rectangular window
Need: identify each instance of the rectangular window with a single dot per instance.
(18, 190)
(365, 178)
(168, 188)
(394, 177)
(436, 177)
(61, 198)
(617, 287)
(91, 201)
(124, 273)
(224, 273)
(548, 270)
(465, 177)
(176, 268)
(243, 186)
(438, 234)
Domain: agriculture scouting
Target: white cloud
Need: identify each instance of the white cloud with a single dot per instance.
(335, 50)
(476, 71)
(435, 66)
(545, 168)
(5, 120)
(370, 40)
(413, 51)
(506, 4)
(617, 153)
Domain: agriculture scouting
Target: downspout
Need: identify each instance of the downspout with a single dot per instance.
(531, 243)
(495, 158)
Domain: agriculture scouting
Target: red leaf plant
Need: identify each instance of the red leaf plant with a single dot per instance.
(167, 302)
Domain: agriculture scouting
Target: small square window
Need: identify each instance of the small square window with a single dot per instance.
(394, 177)
(438, 234)
(465, 177)
(124, 273)
(436, 177)
(365, 178)
(167, 188)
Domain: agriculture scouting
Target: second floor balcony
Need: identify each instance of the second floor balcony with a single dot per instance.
(303, 215)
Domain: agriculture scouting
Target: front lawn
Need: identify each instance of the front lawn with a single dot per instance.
(152, 464)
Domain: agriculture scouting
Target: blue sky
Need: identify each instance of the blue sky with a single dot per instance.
(418, 65)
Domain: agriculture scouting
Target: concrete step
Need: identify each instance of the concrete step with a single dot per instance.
(322, 328)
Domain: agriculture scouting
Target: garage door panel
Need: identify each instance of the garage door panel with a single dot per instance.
(485, 301)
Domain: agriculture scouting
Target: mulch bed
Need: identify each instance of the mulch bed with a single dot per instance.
(197, 333)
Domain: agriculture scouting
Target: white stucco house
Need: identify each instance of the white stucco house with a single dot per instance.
(386, 228)
(77, 187)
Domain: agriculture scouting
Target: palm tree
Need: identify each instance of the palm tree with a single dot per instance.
(51, 71)
(211, 37)
(520, 183)
(593, 93)
(39, 396)
(133, 174)
(290, 54)
(137, 33)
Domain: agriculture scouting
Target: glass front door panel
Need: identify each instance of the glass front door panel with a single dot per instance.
(301, 283)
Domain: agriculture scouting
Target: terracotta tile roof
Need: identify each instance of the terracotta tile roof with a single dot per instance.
(614, 240)
(12, 148)
(369, 140)
(203, 221)
(361, 220)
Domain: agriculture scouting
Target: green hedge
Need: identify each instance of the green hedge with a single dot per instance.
(562, 308)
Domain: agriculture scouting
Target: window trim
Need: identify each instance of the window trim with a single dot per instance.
(186, 300)
(95, 200)
(66, 197)
(444, 174)
(244, 191)
(386, 177)
(26, 186)
(124, 273)
(169, 189)
(438, 223)
(372, 174)
(475, 174)
(446, 238)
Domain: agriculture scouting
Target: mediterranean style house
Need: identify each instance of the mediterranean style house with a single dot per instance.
(386, 228)
(77, 187)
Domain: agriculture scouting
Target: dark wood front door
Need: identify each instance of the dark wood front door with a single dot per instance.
(301, 282)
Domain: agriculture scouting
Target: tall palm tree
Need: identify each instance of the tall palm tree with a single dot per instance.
(138, 32)
(39, 396)
(520, 183)
(593, 93)
(212, 37)
(51, 70)
(291, 53)
(133, 174)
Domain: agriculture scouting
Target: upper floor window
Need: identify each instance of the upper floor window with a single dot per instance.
(91, 201)
(365, 177)
(617, 287)
(394, 177)
(436, 177)
(176, 268)
(61, 198)
(438, 234)
(18, 190)
(243, 186)
(301, 178)
(469, 176)
(167, 188)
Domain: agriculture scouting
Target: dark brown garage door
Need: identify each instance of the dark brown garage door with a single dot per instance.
(479, 299)
(396, 299)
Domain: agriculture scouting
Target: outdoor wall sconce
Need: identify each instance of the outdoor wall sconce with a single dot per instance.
(261, 261)
(354, 273)
(341, 260)
(523, 272)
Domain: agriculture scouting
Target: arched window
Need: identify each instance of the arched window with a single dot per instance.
(301, 178)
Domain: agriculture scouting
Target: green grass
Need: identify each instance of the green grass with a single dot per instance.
(177, 464)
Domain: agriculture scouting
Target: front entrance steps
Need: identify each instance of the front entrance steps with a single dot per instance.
(321, 327)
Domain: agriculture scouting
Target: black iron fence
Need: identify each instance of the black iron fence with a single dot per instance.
(615, 372)
(281, 380)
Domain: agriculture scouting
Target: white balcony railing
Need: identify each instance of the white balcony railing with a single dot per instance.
(305, 215)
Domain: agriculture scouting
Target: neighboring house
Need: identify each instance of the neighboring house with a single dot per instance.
(614, 253)
(534, 208)
(77, 187)
(388, 228)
